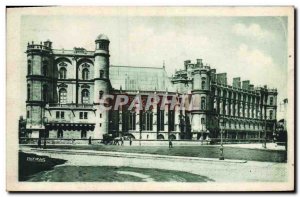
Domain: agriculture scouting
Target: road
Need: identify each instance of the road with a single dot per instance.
(218, 171)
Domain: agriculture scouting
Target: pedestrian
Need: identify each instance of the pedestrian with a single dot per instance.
(122, 141)
(45, 143)
(39, 143)
(130, 141)
(170, 144)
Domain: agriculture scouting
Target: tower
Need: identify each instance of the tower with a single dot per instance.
(200, 93)
(102, 84)
(39, 86)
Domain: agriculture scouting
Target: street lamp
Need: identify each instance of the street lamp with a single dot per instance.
(45, 121)
(265, 134)
(221, 148)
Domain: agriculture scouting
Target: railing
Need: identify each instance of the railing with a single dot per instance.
(63, 51)
(70, 105)
(38, 46)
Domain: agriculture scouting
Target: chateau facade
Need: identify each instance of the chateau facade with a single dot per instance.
(64, 89)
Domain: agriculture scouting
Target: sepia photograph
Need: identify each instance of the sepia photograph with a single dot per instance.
(150, 99)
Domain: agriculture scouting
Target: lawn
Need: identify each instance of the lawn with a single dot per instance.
(114, 174)
(189, 151)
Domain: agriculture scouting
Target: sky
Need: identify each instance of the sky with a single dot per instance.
(253, 48)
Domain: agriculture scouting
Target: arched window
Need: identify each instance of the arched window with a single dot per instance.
(101, 74)
(100, 94)
(203, 103)
(85, 74)
(271, 100)
(45, 91)
(45, 67)
(29, 67)
(63, 73)
(63, 96)
(203, 84)
(28, 92)
(85, 96)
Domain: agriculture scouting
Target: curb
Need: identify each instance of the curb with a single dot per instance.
(132, 155)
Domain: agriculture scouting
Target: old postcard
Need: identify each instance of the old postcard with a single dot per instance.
(150, 99)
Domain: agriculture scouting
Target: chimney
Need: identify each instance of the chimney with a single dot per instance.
(199, 62)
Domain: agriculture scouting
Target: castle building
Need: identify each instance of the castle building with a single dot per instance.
(65, 87)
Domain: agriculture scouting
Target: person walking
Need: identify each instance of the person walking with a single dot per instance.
(170, 144)
(122, 141)
(130, 141)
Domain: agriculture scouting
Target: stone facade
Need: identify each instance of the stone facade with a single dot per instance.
(64, 89)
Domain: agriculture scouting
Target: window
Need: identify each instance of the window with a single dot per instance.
(28, 92)
(85, 96)
(101, 74)
(83, 115)
(62, 115)
(28, 114)
(100, 94)
(160, 120)
(271, 100)
(271, 114)
(83, 134)
(147, 123)
(63, 73)
(131, 125)
(202, 120)
(45, 92)
(203, 84)
(29, 67)
(60, 134)
(203, 104)
(45, 67)
(63, 96)
(85, 74)
(100, 115)
(100, 124)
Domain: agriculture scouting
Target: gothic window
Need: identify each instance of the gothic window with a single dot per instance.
(45, 92)
(28, 114)
(85, 74)
(203, 103)
(101, 74)
(63, 73)
(171, 120)
(28, 92)
(85, 96)
(63, 96)
(29, 67)
(160, 120)
(131, 125)
(45, 67)
(147, 122)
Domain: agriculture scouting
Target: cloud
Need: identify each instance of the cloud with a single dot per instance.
(257, 66)
(252, 31)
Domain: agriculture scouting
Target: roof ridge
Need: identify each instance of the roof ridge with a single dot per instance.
(137, 66)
